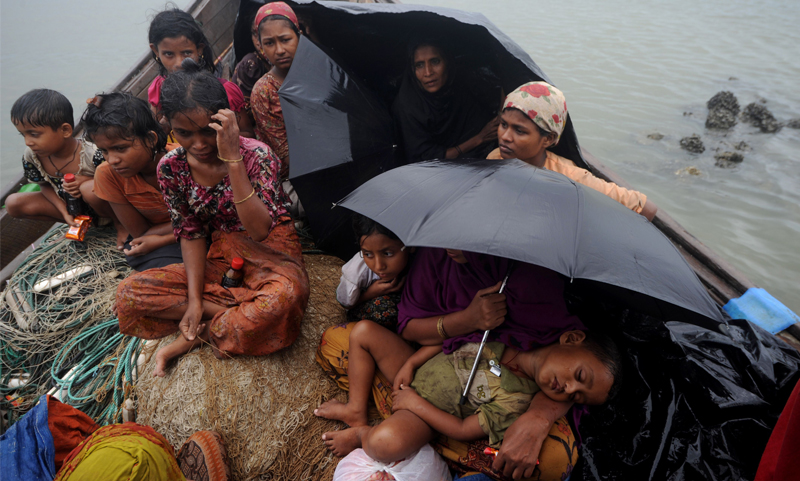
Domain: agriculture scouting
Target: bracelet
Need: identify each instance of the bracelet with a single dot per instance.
(243, 200)
(458, 149)
(440, 327)
(230, 161)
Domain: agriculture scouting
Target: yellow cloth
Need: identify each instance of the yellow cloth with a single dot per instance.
(122, 452)
(631, 199)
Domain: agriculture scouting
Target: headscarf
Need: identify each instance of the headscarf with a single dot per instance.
(431, 123)
(544, 104)
(438, 285)
(275, 8)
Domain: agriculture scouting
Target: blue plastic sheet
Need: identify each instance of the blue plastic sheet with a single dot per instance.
(27, 451)
(760, 308)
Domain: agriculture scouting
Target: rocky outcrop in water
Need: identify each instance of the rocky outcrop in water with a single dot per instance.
(655, 136)
(760, 117)
(722, 111)
(728, 159)
(693, 144)
(793, 124)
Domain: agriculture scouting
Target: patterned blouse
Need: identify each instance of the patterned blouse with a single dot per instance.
(196, 210)
(267, 112)
(89, 159)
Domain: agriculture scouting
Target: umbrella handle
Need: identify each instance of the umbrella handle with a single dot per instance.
(463, 399)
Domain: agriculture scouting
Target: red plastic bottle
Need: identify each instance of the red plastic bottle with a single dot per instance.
(234, 276)
(75, 206)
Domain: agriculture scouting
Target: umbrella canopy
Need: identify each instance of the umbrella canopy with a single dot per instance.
(371, 40)
(509, 209)
(340, 135)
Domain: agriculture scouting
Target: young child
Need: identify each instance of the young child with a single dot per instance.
(127, 134)
(44, 118)
(580, 368)
(372, 280)
(174, 36)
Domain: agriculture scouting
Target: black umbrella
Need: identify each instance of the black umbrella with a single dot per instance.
(340, 136)
(371, 41)
(509, 209)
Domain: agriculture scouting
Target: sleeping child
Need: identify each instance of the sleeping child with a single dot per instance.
(581, 367)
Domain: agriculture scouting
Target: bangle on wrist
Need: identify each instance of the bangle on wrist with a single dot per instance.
(440, 329)
(230, 161)
(251, 195)
(458, 149)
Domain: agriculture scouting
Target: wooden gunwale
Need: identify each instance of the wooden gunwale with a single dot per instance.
(721, 279)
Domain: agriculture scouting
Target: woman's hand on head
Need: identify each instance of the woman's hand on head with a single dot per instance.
(488, 308)
(227, 127)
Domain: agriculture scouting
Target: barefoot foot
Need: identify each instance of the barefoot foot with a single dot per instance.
(176, 348)
(341, 443)
(339, 411)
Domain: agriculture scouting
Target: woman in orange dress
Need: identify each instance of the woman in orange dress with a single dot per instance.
(225, 201)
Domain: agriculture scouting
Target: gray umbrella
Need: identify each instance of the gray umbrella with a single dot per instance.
(510, 209)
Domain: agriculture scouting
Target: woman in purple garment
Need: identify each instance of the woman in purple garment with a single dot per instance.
(450, 298)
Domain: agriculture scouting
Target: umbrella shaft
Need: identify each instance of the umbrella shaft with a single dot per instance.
(474, 367)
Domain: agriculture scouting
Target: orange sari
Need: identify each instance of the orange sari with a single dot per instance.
(263, 315)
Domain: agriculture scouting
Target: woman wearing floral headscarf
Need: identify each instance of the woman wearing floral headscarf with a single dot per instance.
(533, 118)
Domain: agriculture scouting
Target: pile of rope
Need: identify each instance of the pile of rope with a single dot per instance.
(262, 406)
(58, 333)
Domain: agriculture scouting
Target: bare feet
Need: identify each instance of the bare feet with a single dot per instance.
(176, 348)
(347, 413)
(341, 443)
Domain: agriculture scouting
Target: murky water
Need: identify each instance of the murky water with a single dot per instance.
(79, 48)
(628, 69)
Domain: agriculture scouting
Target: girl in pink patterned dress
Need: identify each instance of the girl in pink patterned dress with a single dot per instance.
(223, 189)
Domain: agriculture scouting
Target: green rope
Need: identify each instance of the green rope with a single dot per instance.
(72, 344)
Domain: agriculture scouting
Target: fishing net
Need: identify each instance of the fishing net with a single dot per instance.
(262, 406)
(58, 333)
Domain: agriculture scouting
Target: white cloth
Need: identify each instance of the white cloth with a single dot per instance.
(424, 465)
(356, 277)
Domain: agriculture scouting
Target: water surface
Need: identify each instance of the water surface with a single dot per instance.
(628, 69)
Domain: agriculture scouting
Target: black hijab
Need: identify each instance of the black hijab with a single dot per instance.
(432, 123)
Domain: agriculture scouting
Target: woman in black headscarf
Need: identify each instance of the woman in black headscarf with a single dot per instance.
(443, 112)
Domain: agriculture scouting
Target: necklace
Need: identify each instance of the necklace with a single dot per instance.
(58, 170)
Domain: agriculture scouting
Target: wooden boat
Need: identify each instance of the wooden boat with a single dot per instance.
(721, 279)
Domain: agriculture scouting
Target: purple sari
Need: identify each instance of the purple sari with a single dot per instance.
(437, 285)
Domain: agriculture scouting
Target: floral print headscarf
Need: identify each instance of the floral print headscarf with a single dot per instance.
(275, 8)
(542, 103)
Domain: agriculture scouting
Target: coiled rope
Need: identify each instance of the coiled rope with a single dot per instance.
(58, 332)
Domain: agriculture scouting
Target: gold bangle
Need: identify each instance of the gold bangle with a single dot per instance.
(440, 328)
(243, 200)
(230, 161)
